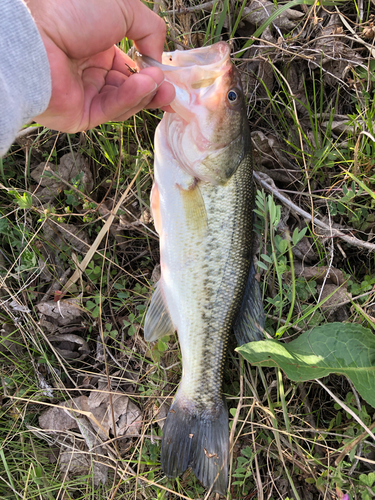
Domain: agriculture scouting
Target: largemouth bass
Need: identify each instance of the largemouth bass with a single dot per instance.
(202, 202)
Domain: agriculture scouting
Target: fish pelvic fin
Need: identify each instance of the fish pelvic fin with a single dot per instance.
(158, 322)
(197, 440)
(249, 325)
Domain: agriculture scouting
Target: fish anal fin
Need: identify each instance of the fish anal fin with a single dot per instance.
(249, 325)
(158, 322)
(193, 439)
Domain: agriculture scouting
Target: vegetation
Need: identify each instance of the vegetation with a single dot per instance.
(84, 396)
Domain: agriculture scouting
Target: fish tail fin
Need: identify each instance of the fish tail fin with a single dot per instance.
(197, 440)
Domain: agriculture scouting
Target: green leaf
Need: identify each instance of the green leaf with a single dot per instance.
(71, 199)
(3, 225)
(24, 201)
(241, 470)
(298, 235)
(262, 265)
(162, 347)
(363, 185)
(95, 312)
(131, 330)
(368, 480)
(266, 258)
(348, 349)
(282, 245)
(247, 452)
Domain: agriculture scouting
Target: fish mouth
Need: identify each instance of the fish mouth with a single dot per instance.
(204, 128)
(211, 57)
(194, 73)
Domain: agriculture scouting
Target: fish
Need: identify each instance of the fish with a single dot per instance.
(202, 205)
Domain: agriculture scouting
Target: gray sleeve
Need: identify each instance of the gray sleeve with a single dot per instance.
(25, 81)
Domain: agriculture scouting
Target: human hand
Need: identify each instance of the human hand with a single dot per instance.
(91, 83)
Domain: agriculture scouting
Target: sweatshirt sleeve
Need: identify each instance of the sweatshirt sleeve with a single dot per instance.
(25, 81)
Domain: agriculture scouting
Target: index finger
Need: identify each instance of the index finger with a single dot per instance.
(145, 28)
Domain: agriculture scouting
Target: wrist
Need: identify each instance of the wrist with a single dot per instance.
(25, 82)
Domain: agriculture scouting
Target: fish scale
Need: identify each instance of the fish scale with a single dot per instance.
(202, 203)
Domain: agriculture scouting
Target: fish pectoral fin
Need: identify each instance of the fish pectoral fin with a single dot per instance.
(158, 322)
(195, 209)
(249, 325)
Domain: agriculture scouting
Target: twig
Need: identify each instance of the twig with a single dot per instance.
(360, 446)
(332, 254)
(284, 322)
(11, 487)
(347, 409)
(267, 43)
(258, 478)
(352, 445)
(310, 416)
(347, 25)
(100, 236)
(27, 131)
(352, 240)
(194, 8)
(301, 144)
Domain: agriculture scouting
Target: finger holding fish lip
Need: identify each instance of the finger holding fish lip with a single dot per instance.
(165, 93)
(119, 101)
(162, 98)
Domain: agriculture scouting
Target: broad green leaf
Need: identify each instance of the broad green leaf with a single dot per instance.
(348, 349)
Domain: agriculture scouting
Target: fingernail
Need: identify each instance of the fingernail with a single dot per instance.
(153, 91)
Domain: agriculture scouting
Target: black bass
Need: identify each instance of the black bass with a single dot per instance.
(202, 202)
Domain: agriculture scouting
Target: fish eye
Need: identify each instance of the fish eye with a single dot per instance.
(232, 96)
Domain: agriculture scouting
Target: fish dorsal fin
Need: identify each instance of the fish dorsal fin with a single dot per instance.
(158, 322)
(249, 325)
